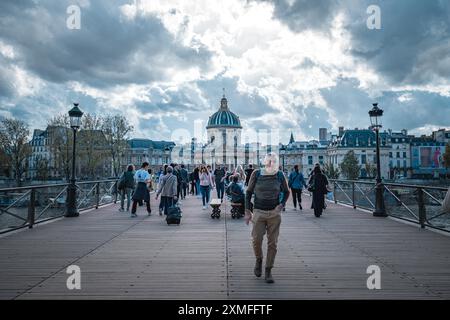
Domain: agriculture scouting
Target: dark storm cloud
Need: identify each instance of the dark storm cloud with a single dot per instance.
(352, 105)
(412, 47)
(106, 51)
(301, 15)
(414, 36)
(183, 99)
(6, 74)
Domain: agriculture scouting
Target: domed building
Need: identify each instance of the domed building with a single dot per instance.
(224, 135)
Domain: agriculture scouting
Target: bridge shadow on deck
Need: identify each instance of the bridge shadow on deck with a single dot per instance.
(143, 258)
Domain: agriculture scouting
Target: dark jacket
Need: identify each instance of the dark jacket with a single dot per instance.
(319, 182)
(236, 193)
(127, 179)
(184, 175)
(218, 175)
(248, 174)
(196, 174)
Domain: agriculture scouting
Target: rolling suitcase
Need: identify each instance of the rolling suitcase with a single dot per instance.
(174, 215)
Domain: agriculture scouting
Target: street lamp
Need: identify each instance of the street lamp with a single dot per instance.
(375, 119)
(75, 115)
(282, 152)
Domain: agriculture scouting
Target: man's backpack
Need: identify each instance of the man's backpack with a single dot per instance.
(280, 176)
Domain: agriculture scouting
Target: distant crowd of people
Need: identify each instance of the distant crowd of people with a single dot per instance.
(262, 193)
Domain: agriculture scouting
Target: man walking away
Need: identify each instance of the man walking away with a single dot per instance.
(197, 181)
(127, 180)
(271, 192)
(296, 183)
(168, 189)
(219, 176)
(318, 184)
(184, 181)
(142, 177)
(248, 173)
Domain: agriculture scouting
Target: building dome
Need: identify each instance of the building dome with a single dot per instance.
(224, 118)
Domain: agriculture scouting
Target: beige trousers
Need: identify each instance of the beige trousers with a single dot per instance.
(263, 221)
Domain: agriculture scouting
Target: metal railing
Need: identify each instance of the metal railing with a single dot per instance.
(22, 207)
(414, 203)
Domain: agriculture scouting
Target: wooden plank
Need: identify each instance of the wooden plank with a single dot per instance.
(203, 258)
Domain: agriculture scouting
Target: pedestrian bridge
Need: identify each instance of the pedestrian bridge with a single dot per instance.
(203, 258)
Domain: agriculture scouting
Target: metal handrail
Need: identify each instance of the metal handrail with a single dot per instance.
(31, 191)
(420, 193)
(65, 184)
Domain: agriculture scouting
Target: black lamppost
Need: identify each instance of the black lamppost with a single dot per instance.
(282, 152)
(75, 122)
(375, 119)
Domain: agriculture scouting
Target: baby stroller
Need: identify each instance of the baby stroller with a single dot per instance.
(237, 200)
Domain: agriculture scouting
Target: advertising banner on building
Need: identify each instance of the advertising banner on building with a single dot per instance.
(428, 157)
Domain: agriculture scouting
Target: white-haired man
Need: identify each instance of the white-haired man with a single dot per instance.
(271, 192)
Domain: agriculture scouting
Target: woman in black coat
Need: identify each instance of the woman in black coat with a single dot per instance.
(319, 185)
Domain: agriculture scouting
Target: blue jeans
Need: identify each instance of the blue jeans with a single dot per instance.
(197, 184)
(123, 193)
(220, 189)
(205, 190)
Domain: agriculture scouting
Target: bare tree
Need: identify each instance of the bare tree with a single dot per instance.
(331, 171)
(14, 144)
(60, 144)
(116, 129)
(42, 171)
(93, 146)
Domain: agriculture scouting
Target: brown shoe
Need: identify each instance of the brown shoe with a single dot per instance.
(258, 268)
(269, 278)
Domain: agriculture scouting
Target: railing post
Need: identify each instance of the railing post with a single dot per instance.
(97, 195)
(353, 194)
(31, 209)
(334, 192)
(422, 210)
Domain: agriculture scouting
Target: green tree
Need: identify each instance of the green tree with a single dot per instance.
(14, 145)
(349, 166)
(331, 171)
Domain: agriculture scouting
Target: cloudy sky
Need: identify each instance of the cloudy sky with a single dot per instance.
(285, 64)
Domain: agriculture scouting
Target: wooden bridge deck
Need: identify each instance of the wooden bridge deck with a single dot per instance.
(143, 258)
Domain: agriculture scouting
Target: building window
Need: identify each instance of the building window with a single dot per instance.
(404, 154)
(310, 160)
(398, 154)
(321, 159)
(363, 159)
(390, 154)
